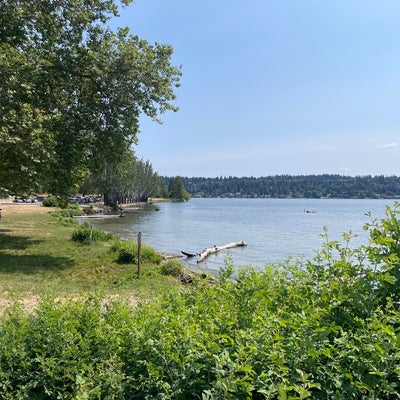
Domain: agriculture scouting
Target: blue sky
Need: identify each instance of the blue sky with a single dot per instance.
(276, 86)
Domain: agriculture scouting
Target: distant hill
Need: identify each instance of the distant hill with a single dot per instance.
(295, 186)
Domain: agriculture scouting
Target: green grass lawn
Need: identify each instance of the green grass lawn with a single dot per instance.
(37, 256)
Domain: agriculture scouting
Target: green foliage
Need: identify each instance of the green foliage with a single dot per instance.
(325, 329)
(177, 190)
(384, 253)
(149, 255)
(67, 212)
(128, 251)
(87, 234)
(132, 180)
(61, 202)
(66, 350)
(65, 215)
(51, 201)
(73, 90)
(172, 267)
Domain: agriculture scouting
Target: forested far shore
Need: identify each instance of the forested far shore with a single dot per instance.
(295, 186)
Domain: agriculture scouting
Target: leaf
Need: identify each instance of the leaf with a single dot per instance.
(389, 278)
(282, 393)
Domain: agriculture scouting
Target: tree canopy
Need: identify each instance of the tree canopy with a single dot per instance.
(176, 189)
(131, 180)
(72, 90)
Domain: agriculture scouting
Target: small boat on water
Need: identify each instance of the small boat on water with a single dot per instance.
(310, 211)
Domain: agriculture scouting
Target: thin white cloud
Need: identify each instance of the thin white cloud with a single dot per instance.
(389, 145)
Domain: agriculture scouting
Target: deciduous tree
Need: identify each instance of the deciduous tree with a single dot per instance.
(177, 190)
(72, 90)
(131, 180)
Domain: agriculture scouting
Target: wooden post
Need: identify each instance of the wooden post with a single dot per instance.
(139, 243)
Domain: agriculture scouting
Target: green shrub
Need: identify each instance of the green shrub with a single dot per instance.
(86, 234)
(61, 202)
(66, 350)
(68, 222)
(172, 267)
(150, 256)
(51, 201)
(64, 203)
(67, 212)
(128, 250)
(127, 255)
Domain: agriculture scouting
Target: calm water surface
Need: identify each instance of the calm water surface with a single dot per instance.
(273, 228)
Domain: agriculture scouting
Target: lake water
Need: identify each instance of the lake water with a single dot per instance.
(272, 228)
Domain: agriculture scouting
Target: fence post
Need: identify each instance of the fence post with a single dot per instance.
(139, 242)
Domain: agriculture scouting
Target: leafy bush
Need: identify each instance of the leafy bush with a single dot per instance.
(67, 212)
(149, 255)
(65, 350)
(65, 215)
(50, 201)
(57, 201)
(67, 221)
(172, 267)
(127, 252)
(86, 234)
(126, 256)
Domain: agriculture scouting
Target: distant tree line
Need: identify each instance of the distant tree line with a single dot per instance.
(297, 186)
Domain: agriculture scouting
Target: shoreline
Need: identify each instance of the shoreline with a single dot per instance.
(100, 211)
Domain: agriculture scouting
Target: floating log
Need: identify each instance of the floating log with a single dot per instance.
(206, 252)
(167, 256)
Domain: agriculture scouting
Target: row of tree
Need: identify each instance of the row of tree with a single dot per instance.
(302, 186)
(133, 180)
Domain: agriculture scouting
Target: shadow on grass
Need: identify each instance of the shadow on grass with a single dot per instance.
(31, 264)
(15, 242)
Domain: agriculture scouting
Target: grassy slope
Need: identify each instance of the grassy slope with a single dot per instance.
(38, 255)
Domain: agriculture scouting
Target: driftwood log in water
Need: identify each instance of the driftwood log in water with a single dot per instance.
(206, 252)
